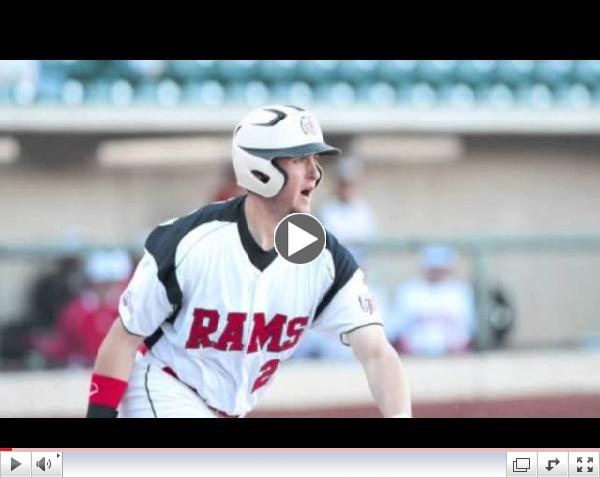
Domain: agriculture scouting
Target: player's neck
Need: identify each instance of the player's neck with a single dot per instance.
(262, 217)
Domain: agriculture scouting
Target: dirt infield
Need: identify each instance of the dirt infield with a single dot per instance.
(533, 407)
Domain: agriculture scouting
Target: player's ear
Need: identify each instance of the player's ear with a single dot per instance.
(320, 173)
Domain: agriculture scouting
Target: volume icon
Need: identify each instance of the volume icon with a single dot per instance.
(43, 463)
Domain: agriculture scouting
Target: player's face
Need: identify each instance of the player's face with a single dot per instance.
(302, 176)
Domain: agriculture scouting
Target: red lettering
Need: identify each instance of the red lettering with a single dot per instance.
(295, 329)
(263, 333)
(268, 369)
(231, 338)
(200, 331)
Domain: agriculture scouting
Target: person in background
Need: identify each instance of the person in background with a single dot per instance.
(47, 295)
(347, 215)
(434, 314)
(84, 321)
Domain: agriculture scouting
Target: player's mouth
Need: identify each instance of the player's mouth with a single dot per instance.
(307, 192)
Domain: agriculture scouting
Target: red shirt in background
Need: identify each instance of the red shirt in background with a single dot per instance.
(81, 328)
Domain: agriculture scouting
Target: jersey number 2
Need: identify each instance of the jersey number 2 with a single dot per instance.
(268, 369)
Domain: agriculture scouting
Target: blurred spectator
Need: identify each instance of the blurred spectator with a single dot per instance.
(228, 187)
(85, 321)
(47, 295)
(51, 291)
(348, 217)
(434, 314)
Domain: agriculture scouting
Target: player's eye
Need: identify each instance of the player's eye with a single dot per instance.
(301, 159)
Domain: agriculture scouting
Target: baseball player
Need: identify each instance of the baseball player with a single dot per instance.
(212, 310)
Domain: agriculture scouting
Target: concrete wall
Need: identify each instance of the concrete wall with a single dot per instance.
(301, 387)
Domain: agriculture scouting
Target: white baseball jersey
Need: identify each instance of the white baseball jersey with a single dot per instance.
(222, 313)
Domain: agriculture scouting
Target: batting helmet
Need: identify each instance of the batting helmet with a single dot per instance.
(269, 133)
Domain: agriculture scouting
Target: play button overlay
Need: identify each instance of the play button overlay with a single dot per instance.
(299, 238)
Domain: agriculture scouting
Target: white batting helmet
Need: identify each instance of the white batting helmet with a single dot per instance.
(269, 133)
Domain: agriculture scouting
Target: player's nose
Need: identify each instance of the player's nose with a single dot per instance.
(312, 168)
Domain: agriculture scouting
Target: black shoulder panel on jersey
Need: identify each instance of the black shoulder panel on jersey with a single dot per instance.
(345, 267)
(163, 241)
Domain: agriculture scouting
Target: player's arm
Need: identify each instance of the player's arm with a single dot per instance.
(112, 369)
(385, 374)
(143, 307)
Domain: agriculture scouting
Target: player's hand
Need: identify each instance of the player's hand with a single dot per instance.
(402, 415)
(100, 411)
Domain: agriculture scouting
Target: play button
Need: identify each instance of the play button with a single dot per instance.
(299, 238)
(15, 464)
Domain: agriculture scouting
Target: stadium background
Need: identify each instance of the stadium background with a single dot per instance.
(499, 158)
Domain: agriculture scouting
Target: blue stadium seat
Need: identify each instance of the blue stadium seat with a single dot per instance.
(515, 72)
(335, 94)
(418, 95)
(236, 70)
(355, 71)
(296, 93)
(146, 70)
(554, 72)
(436, 71)
(87, 70)
(458, 95)
(538, 96)
(57, 68)
(23, 93)
(596, 95)
(498, 96)
(116, 69)
(397, 71)
(381, 83)
(576, 96)
(168, 92)
(121, 92)
(257, 93)
(379, 94)
(73, 93)
(6, 94)
(317, 71)
(253, 93)
(189, 70)
(475, 72)
(97, 92)
(208, 93)
(235, 92)
(146, 92)
(588, 72)
(49, 89)
(277, 70)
